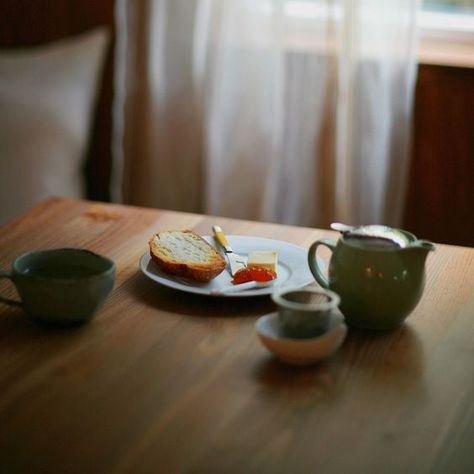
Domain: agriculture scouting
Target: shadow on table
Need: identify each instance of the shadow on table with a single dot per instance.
(190, 304)
(390, 362)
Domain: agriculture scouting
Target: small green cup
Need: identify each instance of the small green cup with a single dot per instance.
(61, 286)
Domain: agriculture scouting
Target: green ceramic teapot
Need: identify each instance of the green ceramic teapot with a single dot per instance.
(378, 272)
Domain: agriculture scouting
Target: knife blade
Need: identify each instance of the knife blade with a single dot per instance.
(249, 285)
(236, 261)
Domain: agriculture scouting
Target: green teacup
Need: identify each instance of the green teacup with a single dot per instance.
(61, 286)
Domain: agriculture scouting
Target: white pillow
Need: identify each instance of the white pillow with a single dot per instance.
(47, 99)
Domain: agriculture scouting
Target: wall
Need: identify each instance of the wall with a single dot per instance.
(441, 190)
(440, 203)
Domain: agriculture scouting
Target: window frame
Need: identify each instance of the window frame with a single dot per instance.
(445, 37)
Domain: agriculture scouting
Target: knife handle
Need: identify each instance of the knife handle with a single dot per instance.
(221, 238)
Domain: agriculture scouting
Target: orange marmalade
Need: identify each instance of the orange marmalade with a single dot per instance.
(253, 274)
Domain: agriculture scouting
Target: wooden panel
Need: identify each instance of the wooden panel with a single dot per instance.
(441, 192)
(29, 23)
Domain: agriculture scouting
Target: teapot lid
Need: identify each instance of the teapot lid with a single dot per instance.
(389, 234)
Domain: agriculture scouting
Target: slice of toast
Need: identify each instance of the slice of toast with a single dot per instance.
(186, 254)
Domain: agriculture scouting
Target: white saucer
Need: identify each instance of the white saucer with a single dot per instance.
(300, 351)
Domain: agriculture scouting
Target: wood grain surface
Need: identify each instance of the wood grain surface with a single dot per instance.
(168, 382)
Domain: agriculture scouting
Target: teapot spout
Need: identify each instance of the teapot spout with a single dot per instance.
(421, 248)
(425, 245)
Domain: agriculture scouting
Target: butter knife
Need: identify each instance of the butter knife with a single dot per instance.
(249, 285)
(236, 261)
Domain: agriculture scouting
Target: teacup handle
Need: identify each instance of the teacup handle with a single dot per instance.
(313, 261)
(7, 300)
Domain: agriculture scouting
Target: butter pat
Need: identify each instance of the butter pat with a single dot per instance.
(263, 258)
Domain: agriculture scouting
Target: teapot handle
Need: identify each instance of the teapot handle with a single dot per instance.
(313, 261)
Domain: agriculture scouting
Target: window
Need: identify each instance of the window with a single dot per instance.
(447, 32)
(461, 7)
(446, 27)
(448, 16)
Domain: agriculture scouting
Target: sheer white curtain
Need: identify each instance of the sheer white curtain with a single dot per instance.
(291, 111)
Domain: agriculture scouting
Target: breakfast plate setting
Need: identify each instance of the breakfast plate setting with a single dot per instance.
(292, 271)
(307, 327)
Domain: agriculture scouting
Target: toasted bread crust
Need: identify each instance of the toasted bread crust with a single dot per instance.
(186, 254)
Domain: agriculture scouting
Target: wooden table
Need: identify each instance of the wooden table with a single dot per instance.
(168, 382)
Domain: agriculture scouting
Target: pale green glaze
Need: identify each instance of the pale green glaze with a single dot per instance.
(61, 286)
(378, 287)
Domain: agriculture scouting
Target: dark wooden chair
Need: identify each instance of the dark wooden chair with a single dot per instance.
(33, 22)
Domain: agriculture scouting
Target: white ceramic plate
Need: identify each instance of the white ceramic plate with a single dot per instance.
(293, 268)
